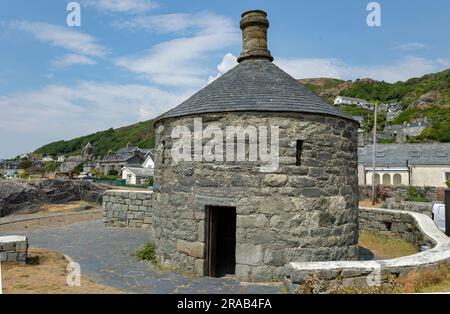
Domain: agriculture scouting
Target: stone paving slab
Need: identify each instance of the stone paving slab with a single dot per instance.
(105, 256)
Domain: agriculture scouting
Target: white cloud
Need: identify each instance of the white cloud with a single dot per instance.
(229, 61)
(63, 37)
(409, 46)
(61, 112)
(181, 61)
(122, 6)
(399, 70)
(72, 59)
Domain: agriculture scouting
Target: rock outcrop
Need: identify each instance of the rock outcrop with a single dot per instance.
(27, 196)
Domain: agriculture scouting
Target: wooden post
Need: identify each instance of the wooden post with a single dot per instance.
(374, 146)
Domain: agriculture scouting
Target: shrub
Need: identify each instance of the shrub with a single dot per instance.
(79, 167)
(448, 183)
(147, 253)
(385, 193)
(149, 182)
(96, 172)
(113, 172)
(416, 196)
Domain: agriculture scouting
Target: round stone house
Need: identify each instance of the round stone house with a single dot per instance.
(217, 214)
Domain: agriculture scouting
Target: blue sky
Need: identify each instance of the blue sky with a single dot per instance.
(133, 59)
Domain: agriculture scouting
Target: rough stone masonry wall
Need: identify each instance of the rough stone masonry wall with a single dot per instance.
(399, 191)
(13, 249)
(417, 228)
(298, 213)
(394, 224)
(127, 208)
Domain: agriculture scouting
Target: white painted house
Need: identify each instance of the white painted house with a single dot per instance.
(149, 160)
(343, 100)
(136, 175)
(47, 159)
(405, 164)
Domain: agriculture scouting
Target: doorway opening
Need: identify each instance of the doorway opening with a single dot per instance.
(221, 241)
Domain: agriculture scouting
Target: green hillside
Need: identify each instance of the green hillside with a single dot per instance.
(140, 134)
(427, 96)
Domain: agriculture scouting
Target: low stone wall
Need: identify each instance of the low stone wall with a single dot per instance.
(394, 224)
(123, 208)
(414, 227)
(399, 191)
(13, 249)
(417, 207)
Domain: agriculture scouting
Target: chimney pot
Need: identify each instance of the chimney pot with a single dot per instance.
(254, 25)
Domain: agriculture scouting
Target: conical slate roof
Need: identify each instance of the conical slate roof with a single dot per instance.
(254, 85)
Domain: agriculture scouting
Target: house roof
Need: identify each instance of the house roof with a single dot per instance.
(149, 153)
(139, 171)
(125, 154)
(398, 155)
(254, 85)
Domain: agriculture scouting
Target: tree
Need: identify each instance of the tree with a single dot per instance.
(96, 173)
(79, 167)
(25, 164)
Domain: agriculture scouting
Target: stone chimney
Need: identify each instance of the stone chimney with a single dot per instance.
(254, 25)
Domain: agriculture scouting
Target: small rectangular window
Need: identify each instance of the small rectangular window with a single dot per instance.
(299, 152)
(163, 151)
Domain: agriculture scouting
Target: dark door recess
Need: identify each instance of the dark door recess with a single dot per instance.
(221, 241)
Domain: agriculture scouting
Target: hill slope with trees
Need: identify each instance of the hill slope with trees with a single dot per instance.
(427, 96)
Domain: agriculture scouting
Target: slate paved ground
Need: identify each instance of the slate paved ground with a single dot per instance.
(105, 256)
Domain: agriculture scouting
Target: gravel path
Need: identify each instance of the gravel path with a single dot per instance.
(105, 256)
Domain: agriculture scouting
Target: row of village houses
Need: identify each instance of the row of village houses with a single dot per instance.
(397, 133)
(132, 163)
(395, 164)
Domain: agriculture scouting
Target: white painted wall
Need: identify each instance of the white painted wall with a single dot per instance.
(429, 175)
(128, 176)
(403, 174)
(148, 163)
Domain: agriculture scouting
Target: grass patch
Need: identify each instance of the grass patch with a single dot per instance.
(385, 247)
(433, 279)
(443, 286)
(147, 253)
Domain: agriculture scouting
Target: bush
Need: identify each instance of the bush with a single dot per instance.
(113, 172)
(147, 253)
(385, 193)
(149, 182)
(79, 167)
(415, 196)
(96, 173)
(23, 173)
(448, 183)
